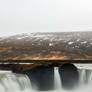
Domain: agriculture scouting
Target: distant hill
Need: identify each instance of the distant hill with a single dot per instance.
(49, 46)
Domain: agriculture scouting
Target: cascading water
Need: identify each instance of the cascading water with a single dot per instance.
(13, 82)
(82, 78)
(85, 76)
(85, 81)
(21, 83)
(57, 81)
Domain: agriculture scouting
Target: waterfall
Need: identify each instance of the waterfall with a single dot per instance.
(85, 79)
(21, 83)
(24, 82)
(14, 82)
(90, 77)
(82, 78)
(57, 80)
(85, 76)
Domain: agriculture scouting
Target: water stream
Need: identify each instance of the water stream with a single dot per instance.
(57, 81)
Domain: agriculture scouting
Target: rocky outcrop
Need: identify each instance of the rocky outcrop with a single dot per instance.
(42, 78)
(69, 76)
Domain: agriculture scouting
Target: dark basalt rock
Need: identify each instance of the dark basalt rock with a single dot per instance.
(69, 76)
(42, 78)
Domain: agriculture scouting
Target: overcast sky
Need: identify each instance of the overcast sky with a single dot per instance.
(20, 16)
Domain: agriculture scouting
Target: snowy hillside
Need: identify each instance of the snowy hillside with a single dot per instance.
(72, 45)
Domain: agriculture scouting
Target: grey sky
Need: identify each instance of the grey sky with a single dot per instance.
(20, 16)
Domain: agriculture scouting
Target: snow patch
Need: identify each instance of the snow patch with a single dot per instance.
(20, 38)
(77, 46)
(90, 43)
(84, 42)
(70, 43)
(78, 40)
(50, 44)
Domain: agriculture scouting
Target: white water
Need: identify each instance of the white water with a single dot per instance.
(14, 83)
(10, 82)
(57, 81)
